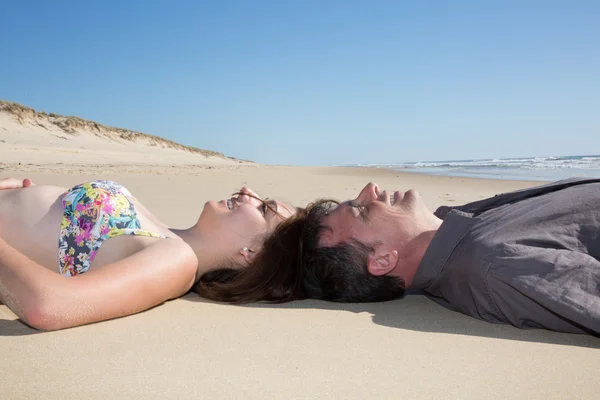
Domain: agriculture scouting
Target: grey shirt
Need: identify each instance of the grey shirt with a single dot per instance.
(529, 258)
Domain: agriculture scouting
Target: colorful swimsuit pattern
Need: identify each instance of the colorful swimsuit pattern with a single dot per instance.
(94, 212)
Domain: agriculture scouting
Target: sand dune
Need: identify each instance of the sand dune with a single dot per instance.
(29, 136)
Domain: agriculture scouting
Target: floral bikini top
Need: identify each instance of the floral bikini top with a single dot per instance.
(94, 212)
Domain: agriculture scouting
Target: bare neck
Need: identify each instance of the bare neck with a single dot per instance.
(205, 251)
(411, 254)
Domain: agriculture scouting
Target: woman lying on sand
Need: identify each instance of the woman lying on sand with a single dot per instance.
(93, 252)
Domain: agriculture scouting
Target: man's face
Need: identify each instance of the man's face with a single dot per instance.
(387, 221)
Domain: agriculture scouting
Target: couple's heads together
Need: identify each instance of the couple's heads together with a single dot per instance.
(365, 249)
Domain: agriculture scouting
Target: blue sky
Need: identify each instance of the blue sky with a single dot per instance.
(318, 82)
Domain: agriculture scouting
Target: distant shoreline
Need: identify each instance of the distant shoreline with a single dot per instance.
(544, 169)
(507, 176)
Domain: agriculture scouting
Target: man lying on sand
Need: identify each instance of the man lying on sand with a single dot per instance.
(529, 258)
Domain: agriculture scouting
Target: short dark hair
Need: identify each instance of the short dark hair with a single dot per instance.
(339, 272)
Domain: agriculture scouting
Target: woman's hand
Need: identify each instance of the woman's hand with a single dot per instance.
(12, 183)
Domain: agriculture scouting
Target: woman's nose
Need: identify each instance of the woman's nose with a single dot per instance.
(248, 195)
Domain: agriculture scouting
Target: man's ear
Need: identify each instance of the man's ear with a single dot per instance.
(382, 262)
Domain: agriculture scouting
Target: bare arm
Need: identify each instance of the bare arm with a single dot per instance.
(47, 301)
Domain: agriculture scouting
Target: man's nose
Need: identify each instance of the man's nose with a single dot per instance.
(368, 194)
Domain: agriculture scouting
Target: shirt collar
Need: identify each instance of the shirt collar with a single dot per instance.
(455, 226)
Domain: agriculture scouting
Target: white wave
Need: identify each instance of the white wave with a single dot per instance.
(534, 163)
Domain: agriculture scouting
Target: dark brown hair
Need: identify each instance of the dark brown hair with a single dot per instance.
(274, 275)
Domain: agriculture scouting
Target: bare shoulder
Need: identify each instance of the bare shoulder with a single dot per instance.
(184, 252)
(173, 253)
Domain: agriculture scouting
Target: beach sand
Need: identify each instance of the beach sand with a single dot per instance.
(189, 347)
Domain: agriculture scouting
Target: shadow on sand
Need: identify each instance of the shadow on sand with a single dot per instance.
(415, 313)
(14, 327)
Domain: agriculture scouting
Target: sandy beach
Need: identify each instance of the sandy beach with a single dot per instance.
(189, 347)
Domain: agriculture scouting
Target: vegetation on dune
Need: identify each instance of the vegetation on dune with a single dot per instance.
(73, 125)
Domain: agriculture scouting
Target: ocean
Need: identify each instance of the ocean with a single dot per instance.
(534, 168)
